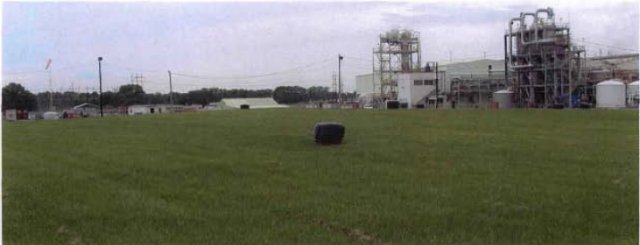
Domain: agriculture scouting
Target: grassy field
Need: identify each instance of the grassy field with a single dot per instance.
(256, 177)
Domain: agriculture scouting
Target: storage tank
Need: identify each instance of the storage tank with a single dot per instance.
(503, 98)
(50, 115)
(610, 94)
(633, 95)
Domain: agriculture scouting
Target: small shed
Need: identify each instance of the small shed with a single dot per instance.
(86, 110)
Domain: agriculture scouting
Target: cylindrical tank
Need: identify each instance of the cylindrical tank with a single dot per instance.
(610, 94)
(50, 115)
(633, 93)
(503, 98)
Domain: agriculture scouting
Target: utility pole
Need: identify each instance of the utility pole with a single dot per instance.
(339, 79)
(334, 85)
(100, 77)
(50, 90)
(170, 90)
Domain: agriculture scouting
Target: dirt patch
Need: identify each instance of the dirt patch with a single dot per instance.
(74, 238)
(354, 234)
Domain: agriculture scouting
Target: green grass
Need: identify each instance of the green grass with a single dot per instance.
(256, 177)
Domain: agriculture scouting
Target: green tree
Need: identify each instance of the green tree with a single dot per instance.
(130, 94)
(204, 96)
(15, 96)
(318, 93)
(290, 95)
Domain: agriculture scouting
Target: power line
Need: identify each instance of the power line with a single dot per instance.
(251, 76)
(605, 45)
(358, 58)
(24, 72)
(273, 76)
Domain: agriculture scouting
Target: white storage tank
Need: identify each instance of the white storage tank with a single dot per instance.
(50, 115)
(503, 98)
(633, 94)
(610, 94)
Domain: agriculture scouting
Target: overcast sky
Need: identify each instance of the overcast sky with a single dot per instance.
(263, 45)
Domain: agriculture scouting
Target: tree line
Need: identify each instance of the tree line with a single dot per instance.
(15, 96)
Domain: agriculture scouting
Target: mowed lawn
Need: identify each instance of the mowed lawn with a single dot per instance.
(256, 177)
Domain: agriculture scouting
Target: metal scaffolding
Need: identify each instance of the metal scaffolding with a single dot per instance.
(397, 52)
(474, 91)
(544, 66)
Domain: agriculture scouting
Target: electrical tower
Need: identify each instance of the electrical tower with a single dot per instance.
(137, 79)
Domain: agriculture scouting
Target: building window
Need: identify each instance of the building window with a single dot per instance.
(428, 82)
(417, 83)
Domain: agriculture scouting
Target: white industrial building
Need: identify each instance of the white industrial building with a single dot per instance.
(253, 103)
(368, 83)
(415, 89)
(152, 109)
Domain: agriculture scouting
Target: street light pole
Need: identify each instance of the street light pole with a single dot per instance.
(170, 90)
(50, 91)
(100, 77)
(339, 79)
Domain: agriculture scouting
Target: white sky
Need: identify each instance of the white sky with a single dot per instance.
(231, 45)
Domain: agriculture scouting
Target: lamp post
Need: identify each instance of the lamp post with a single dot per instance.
(339, 79)
(100, 77)
(170, 90)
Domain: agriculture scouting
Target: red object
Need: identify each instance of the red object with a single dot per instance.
(22, 115)
(494, 105)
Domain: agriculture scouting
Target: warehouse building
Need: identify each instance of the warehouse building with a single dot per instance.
(152, 109)
(252, 103)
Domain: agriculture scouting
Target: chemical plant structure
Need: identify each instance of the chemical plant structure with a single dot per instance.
(542, 68)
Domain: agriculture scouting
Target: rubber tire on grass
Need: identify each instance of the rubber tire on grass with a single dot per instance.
(329, 133)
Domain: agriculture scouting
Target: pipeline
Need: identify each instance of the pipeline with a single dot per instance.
(549, 11)
(522, 19)
(511, 35)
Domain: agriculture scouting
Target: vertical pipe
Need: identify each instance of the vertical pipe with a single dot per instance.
(580, 77)
(458, 94)
(436, 85)
(570, 79)
(373, 70)
(382, 79)
(479, 95)
(545, 86)
(419, 52)
(506, 71)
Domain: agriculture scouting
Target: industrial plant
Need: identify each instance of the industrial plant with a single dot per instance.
(542, 68)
